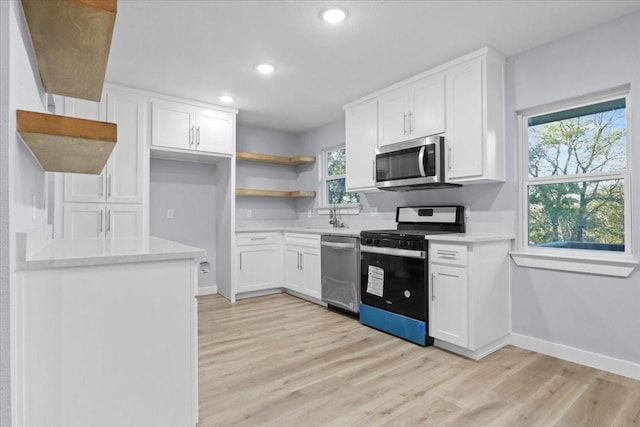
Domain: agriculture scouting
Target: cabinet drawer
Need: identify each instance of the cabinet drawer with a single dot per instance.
(451, 254)
(309, 240)
(253, 239)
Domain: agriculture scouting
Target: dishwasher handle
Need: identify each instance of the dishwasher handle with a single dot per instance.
(335, 245)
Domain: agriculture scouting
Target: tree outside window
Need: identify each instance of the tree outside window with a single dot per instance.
(334, 178)
(576, 175)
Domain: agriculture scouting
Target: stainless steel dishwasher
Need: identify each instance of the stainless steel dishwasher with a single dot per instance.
(340, 270)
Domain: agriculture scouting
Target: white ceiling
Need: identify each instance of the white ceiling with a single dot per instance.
(203, 49)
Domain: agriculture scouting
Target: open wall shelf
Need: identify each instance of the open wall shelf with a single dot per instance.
(274, 193)
(276, 160)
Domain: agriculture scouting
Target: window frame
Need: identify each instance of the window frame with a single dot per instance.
(324, 178)
(577, 260)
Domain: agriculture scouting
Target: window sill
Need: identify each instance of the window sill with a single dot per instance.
(586, 265)
(345, 209)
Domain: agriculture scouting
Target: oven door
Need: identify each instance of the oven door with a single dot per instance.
(394, 280)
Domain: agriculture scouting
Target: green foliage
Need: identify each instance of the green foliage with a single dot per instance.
(336, 162)
(590, 210)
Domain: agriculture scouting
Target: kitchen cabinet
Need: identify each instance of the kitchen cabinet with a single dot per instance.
(259, 261)
(469, 296)
(302, 264)
(121, 181)
(412, 111)
(188, 127)
(361, 132)
(475, 120)
(102, 221)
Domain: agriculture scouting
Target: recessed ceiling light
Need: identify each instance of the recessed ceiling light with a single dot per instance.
(227, 99)
(265, 68)
(333, 15)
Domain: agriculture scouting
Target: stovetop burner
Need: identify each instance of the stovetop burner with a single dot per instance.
(415, 223)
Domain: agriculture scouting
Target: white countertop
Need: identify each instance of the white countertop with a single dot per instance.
(61, 253)
(453, 237)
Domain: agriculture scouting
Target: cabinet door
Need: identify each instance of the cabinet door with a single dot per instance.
(173, 125)
(215, 131)
(426, 107)
(361, 131)
(124, 170)
(123, 221)
(84, 221)
(80, 187)
(393, 117)
(465, 137)
(312, 283)
(258, 268)
(293, 276)
(448, 305)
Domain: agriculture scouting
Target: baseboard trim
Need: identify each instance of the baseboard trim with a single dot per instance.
(260, 293)
(473, 354)
(576, 355)
(207, 290)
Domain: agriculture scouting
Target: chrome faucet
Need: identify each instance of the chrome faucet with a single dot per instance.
(333, 217)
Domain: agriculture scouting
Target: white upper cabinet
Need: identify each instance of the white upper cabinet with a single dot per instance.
(412, 111)
(188, 127)
(102, 221)
(361, 130)
(475, 120)
(462, 99)
(121, 181)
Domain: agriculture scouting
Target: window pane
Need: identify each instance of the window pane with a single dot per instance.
(336, 162)
(578, 215)
(337, 194)
(577, 141)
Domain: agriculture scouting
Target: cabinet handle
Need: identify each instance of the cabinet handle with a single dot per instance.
(404, 123)
(410, 126)
(101, 186)
(301, 261)
(190, 136)
(100, 228)
(109, 186)
(433, 292)
(258, 238)
(198, 136)
(449, 157)
(108, 221)
(240, 260)
(447, 253)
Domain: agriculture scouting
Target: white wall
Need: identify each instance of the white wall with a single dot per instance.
(266, 176)
(190, 190)
(22, 179)
(591, 313)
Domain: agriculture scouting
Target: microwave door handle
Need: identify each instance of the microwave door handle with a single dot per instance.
(421, 161)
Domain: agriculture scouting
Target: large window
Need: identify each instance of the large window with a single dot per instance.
(574, 194)
(335, 169)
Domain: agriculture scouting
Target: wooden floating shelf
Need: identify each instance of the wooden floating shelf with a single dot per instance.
(274, 193)
(276, 160)
(71, 39)
(67, 144)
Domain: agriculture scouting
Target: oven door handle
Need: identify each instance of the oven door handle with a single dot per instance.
(338, 245)
(421, 161)
(394, 252)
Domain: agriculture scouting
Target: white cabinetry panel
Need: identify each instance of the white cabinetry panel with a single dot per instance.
(361, 130)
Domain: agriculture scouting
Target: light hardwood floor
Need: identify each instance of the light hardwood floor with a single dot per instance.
(281, 361)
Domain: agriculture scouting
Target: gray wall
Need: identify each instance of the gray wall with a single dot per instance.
(266, 176)
(190, 190)
(21, 178)
(593, 313)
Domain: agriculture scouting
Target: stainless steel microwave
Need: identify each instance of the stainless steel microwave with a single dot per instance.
(412, 165)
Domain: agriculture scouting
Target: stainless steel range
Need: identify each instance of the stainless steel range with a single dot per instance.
(395, 270)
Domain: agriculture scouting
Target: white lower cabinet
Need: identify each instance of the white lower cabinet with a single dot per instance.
(302, 264)
(469, 296)
(259, 261)
(95, 220)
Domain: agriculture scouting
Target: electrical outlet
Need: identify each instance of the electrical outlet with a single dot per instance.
(205, 267)
(169, 213)
(373, 211)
